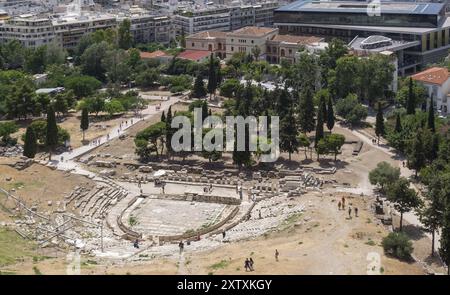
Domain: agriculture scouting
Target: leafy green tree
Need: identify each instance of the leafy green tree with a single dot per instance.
(321, 148)
(20, 102)
(351, 110)
(431, 125)
(92, 60)
(335, 50)
(379, 124)
(230, 87)
(35, 60)
(384, 175)
(6, 129)
(303, 142)
(306, 111)
(54, 54)
(114, 107)
(60, 104)
(147, 140)
(432, 213)
(345, 76)
(330, 114)
(30, 143)
(52, 131)
(404, 198)
(12, 54)
(444, 249)
(398, 245)
(84, 124)
(125, 39)
(147, 78)
(82, 86)
(334, 143)
(117, 69)
(94, 104)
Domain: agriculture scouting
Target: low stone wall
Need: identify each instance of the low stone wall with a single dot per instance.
(129, 233)
(192, 235)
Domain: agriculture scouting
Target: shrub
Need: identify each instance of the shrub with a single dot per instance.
(397, 245)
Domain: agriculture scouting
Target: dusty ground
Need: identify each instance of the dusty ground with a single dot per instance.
(36, 185)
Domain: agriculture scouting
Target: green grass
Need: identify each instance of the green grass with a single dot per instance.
(219, 265)
(381, 269)
(370, 242)
(13, 247)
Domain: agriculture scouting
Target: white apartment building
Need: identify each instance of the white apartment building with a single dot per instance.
(67, 30)
(197, 19)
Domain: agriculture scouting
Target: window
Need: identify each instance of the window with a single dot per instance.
(193, 44)
(232, 48)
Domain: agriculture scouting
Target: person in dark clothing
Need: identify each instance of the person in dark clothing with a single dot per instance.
(223, 234)
(251, 264)
(356, 212)
(276, 254)
(247, 264)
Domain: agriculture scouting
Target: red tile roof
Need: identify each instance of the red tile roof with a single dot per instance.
(194, 55)
(434, 75)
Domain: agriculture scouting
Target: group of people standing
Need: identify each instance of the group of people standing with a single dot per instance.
(341, 205)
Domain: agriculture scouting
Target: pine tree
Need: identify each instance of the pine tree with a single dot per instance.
(431, 115)
(30, 145)
(84, 124)
(212, 77)
(379, 125)
(52, 131)
(199, 87)
(330, 115)
(411, 102)
(398, 124)
(319, 125)
(306, 111)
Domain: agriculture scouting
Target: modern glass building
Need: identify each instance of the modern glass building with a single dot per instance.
(423, 22)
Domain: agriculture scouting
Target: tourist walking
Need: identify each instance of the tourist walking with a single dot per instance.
(343, 203)
(136, 244)
(251, 264)
(223, 234)
(247, 264)
(350, 211)
(356, 212)
(276, 254)
(339, 205)
(181, 246)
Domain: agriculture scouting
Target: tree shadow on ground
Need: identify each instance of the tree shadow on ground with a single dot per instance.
(413, 231)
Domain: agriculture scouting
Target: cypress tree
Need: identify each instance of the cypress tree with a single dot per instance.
(169, 131)
(52, 131)
(411, 103)
(84, 124)
(323, 106)
(199, 87)
(204, 110)
(163, 117)
(379, 124)
(306, 111)
(319, 125)
(330, 115)
(444, 249)
(30, 146)
(212, 77)
(398, 124)
(431, 115)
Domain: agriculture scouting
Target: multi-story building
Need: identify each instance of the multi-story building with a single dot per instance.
(271, 46)
(67, 29)
(197, 19)
(249, 40)
(424, 26)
